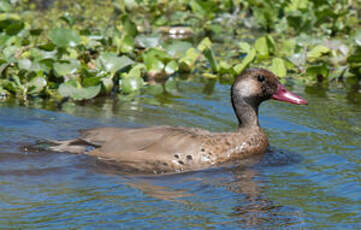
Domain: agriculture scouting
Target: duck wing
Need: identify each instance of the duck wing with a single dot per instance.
(156, 149)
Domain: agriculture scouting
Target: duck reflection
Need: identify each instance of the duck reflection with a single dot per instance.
(252, 208)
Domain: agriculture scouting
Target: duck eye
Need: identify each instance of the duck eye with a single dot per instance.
(261, 78)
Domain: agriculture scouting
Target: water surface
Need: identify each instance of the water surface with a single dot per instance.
(310, 179)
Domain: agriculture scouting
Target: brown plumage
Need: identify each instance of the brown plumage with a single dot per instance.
(166, 149)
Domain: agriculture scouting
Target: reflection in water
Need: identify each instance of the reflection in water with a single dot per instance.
(314, 185)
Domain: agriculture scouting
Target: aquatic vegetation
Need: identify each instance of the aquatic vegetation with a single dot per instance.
(84, 49)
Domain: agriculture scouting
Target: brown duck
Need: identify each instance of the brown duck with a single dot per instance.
(166, 149)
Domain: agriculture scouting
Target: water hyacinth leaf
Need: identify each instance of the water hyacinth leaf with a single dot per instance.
(171, 87)
(317, 52)
(108, 84)
(39, 54)
(245, 62)
(110, 62)
(135, 71)
(130, 4)
(244, 47)
(261, 47)
(36, 85)
(287, 47)
(91, 81)
(278, 67)
(296, 5)
(64, 38)
(129, 26)
(154, 60)
(178, 48)
(74, 90)
(5, 6)
(126, 44)
(147, 41)
(209, 75)
(9, 52)
(68, 18)
(131, 84)
(204, 44)
(156, 89)
(66, 68)
(318, 70)
(298, 59)
(270, 43)
(24, 64)
(209, 54)
(188, 61)
(14, 28)
(357, 38)
(36, 32)
(3, 39)
(171, 67)
(3, 66)
(197, 8)
(224, 67)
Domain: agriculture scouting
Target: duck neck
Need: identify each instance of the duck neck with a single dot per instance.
(246, 112)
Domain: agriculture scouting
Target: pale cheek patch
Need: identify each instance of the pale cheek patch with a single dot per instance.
(247, 88)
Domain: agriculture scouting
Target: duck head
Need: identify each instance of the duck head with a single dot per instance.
(253, 87)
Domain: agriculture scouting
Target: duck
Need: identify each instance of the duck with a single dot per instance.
(168, 149)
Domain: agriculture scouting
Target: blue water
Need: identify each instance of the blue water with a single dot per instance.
(309, 180)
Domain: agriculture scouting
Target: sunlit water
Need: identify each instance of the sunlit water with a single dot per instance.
(310, 179)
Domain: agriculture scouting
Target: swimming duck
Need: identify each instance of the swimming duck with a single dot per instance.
(167, 149)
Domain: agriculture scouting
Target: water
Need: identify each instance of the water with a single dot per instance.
(310, 179)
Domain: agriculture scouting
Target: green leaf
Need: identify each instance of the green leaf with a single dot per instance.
(209, 54)
(188, 61)
(5, 6)
(74, 90)
(66, 67)
(68, 18)
(3, 39)
(130, 84)
(278, 67)
(110, 62)
(204, 44)
(154, 60)
(136, 71)
(317, 52)
(298, 59)
(209, 75)
(357, 38)
(171, 86)
(39, 54)
(108, 84)
(130, 27)
(14, 28)
(154, 89)
(197, 8)
(9, 53)
(178, 48)
(245, 62)
(91, 81)
(316, 70)
(244, 47)
(146, 41)
(36, 85)
(171, 67)
(62, 37)
(224, 67)
(24, 64)
(261, 47)
(126, 44)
